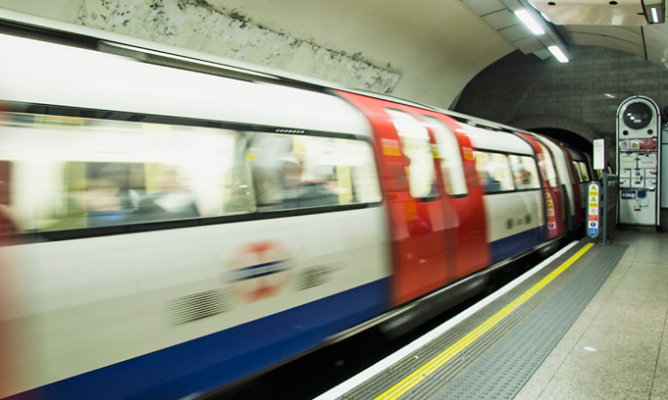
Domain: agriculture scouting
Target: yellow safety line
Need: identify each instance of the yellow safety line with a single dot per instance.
(437, 362)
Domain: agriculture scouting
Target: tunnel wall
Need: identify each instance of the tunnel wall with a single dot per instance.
(581, 96)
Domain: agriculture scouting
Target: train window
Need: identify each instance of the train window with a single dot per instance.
(549, 166)
(297, 171)
(524, 172)
(451, 160)
(584, 170)
(416, 146)
(578, 172)
(494, 171)
(92, 172)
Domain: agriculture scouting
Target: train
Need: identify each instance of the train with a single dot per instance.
(172, 222)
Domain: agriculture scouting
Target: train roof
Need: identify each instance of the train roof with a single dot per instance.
(485, 139)
(21, 24)
(149, 52)
(40, 72)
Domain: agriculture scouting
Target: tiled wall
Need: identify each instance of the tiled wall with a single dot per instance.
(581, 96)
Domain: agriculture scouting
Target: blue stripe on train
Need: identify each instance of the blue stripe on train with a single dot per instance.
(514, 245)
(211, 361)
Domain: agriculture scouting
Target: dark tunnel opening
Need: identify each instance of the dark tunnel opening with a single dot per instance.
(570, 138)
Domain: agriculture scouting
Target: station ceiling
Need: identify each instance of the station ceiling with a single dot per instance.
(434, 47)
(459, 38)
(622, 25)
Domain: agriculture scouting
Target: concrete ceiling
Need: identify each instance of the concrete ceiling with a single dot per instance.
(436, 46)
(422, 39)
(453, 37)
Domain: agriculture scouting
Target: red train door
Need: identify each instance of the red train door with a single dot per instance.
(550, 188)
(466, 193)
(422, 222)
(561, 201)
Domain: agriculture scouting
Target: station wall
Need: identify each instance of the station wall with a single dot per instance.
(581, 96)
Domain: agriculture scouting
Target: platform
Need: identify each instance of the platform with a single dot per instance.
(587, 323)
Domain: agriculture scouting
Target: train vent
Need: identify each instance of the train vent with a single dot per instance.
(197, 306)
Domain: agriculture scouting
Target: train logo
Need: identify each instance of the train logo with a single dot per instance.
(258, 271)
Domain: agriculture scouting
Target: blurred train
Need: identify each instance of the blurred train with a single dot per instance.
(173, 223)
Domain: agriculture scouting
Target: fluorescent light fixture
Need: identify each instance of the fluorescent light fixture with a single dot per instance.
(558, 54)
(655, 13)
(529, 21)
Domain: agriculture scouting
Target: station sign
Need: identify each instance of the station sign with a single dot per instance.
(593, 205)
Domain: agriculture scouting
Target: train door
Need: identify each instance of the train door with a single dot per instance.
(578, 186)
(421, 219)
(584, 175)
(565, 181)
(552, 193)
(461, 183)
(556, 190)
(513, 196)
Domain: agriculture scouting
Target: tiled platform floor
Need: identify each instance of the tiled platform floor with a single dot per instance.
(618, 347)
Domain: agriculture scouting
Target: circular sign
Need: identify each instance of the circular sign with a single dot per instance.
(259, 270)
(637, 115)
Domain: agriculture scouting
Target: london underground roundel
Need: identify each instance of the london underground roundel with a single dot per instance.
(259, 270)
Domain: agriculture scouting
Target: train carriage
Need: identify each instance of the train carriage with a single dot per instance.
(170, 224)
(514, 204)
(569, 186)
(553, 195)
(169, 217)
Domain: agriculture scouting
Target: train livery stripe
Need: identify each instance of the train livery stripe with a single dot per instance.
(214, 360)
(515, 245)
(446, 355)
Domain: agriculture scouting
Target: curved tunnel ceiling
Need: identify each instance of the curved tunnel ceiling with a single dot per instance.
(435, 46)
(457, 38)
(620, 25)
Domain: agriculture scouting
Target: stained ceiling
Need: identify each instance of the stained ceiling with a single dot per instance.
(435, 46)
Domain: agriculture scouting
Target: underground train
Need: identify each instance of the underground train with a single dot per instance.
(171, 224)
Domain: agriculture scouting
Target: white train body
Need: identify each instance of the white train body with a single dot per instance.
(165, 232)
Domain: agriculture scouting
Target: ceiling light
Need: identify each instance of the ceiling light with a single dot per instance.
(654, 13)
(558, 54)
(529, 21)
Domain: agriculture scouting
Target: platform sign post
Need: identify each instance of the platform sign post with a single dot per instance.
(593, 207)
(639, 161)
(599, 154)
